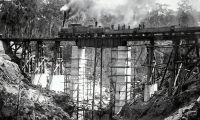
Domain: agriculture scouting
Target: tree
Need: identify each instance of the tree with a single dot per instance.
(31, 18)
(185, 14)
(52, 15)
(160, 16)
(18, 17)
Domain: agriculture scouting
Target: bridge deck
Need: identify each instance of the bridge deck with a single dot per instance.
(114, 38)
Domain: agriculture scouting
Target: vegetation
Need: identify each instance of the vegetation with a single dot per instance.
(163, 16)
(31, 18)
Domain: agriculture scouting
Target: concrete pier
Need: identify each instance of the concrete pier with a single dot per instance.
(57, 83)
(3, 47)
(149, 91)
(40, 79)
(121, 75)
(78, 72)
(78, 78)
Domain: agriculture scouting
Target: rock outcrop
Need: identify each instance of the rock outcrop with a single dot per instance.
(20, 100)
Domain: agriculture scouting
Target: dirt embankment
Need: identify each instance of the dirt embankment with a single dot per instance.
(20, 100)
(184, 105)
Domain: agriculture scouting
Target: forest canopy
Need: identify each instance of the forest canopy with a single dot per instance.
(31, 18)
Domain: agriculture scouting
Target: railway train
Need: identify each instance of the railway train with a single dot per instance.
(79, 30)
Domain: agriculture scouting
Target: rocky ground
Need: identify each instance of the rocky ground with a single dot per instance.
(20, 100)
(184, 105)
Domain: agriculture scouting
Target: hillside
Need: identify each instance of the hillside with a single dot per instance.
(20, 100)
(183, 105)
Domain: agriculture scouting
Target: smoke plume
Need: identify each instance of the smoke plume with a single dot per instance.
(107, 12)
(196, 4)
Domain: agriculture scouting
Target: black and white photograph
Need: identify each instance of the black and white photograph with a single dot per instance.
(99, 59)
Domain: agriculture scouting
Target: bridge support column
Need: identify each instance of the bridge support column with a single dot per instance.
(173, 66)
(78, 92)
(57, 78)
(149, 87)
(40, 78)
(3, 47)
(121, 75)
(27, 58)
(39, 58)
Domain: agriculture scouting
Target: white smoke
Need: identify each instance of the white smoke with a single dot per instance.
(64, 8)
(117, 11)
(196, 4)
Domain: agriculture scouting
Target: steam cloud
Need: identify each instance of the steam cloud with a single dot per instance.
(107, 12)
(196, 4)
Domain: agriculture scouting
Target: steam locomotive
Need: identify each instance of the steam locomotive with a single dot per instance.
(79, 30)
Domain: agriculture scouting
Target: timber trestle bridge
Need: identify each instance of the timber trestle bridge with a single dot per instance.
(181, 45)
